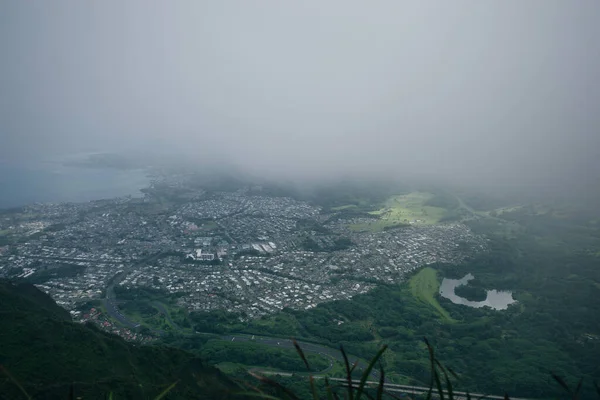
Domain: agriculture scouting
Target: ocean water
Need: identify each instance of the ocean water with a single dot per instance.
(55, 183)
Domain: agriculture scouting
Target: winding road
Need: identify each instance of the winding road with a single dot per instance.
(332, 354)
(110, 303)
(328, 352)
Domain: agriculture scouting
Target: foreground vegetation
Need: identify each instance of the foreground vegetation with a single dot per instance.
(547, 256)
(45, 355)
(550, 263)
(373, 385)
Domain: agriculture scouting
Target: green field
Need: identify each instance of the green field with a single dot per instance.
(402, 210)
(208, 226)
(411, 208)
(424, 287)
(346, 207)
(155, 309)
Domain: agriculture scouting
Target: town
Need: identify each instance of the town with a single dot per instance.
(241, 251)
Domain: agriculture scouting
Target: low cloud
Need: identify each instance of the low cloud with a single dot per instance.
(504, 93)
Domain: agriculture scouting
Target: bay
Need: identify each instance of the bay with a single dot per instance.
(22, 184)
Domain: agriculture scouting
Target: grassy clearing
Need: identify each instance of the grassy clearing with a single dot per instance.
(150, 315)
(346, 207)
(424, 287)
(500, 211)
(230, 368)
(209, 226)
(280, 324)
(233, 367)
(402, 210)
(411, 208)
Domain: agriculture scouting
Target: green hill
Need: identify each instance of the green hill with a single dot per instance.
(46, 353)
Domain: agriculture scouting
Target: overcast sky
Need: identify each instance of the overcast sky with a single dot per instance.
(504, 91)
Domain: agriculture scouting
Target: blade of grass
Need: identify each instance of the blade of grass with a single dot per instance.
(468, 396)
(354, 366)
(506, 396)
(393, 396)
(452, 372)
(252, 387)
(578, 389)
(562, 383)
(369, 396)
(259, 395)
(348, 374)
(597, 388)
(438, 384)
(256, 392)
(432, 366)
(448, 383)
(365, 376)
(274, 384)
(16, 382)
(313, 389)
(381, 383)
(328, 389)
(301, 353)
(71, 394)
(166, 391)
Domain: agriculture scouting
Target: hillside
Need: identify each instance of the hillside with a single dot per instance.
(45, 352)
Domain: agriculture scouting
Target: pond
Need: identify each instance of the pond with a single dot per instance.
(496, 300)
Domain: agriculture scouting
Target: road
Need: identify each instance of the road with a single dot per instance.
(474, 214)
(392, 387)
(110, 302)
(332, 354)
(73, 260)
(328, 352)
(110, 298)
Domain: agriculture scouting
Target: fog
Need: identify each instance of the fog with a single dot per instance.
(506, 92)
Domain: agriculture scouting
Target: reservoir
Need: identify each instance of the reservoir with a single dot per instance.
(496, 300)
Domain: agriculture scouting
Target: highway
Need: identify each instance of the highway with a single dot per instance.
(332, 354)
(110, 302)
(392, 387)
(110, 299)
(328, 352)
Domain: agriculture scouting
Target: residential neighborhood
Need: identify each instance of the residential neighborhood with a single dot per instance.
(239, 251)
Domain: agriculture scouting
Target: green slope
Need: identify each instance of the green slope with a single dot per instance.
(46, 353)
(424, 286)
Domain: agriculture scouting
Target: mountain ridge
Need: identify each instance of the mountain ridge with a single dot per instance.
(48, 354)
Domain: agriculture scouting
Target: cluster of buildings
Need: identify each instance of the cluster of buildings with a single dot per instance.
(237, 251)
(104, 322)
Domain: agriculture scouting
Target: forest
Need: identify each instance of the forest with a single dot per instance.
(46, 355)
(552, 328)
